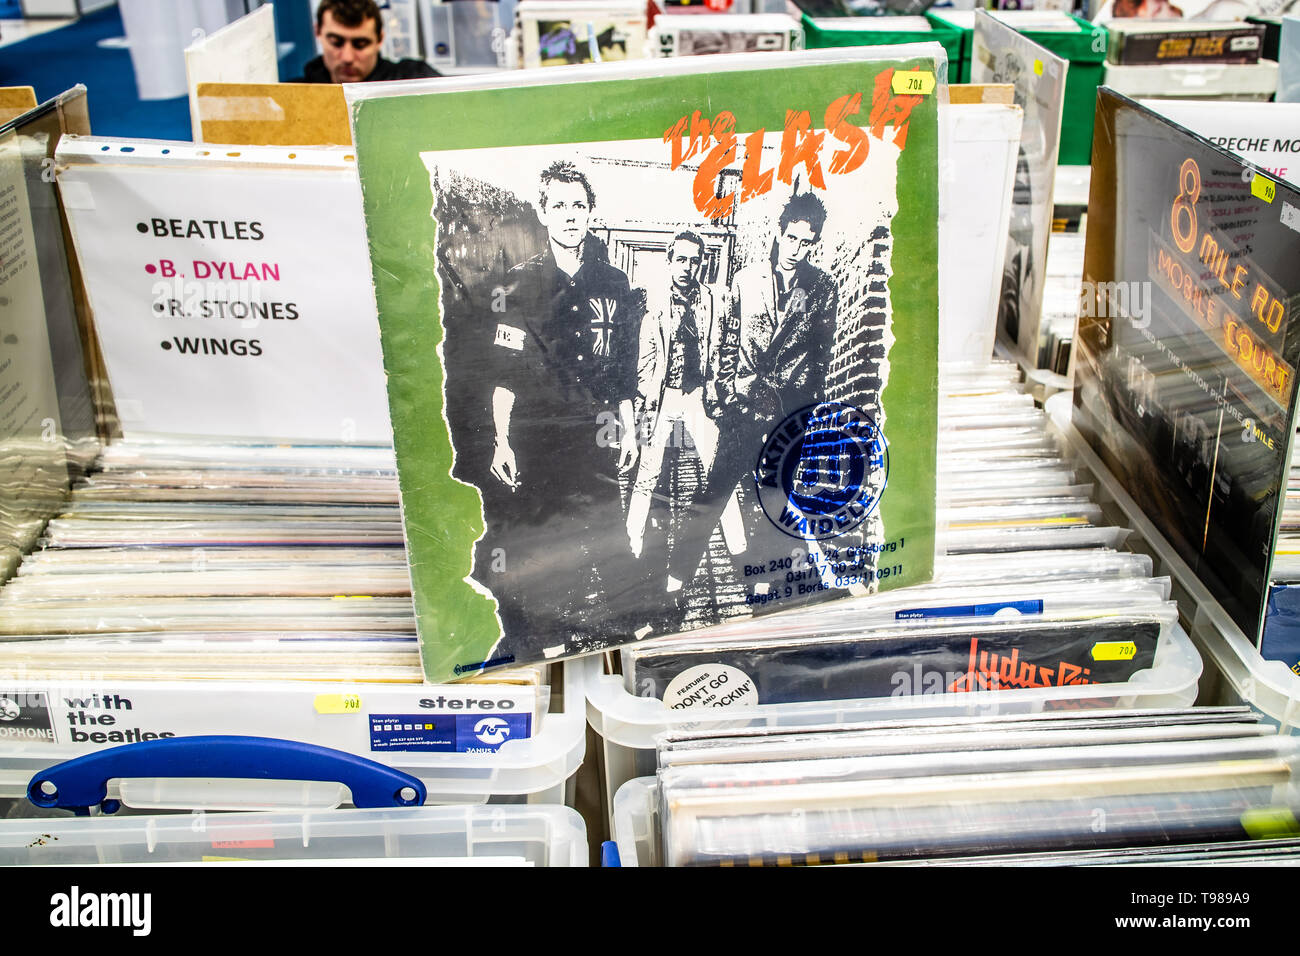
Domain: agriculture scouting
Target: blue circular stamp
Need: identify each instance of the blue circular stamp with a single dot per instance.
(822, 471)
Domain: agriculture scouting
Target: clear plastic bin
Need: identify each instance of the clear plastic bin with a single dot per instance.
(939, 819)
(633, 826)
(424, 836)
(1214, 81)
(539, 769)
(628, 724)
(1238, 674)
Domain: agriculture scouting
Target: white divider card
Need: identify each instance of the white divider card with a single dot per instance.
(1001, 55)
(230, 289)
(980, 143)
(1264, 134)
(242, 52)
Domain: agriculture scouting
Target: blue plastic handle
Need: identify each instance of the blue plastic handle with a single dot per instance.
(609, 854)
(83, 782)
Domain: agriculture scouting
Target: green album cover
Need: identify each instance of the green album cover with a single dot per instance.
(661, 341)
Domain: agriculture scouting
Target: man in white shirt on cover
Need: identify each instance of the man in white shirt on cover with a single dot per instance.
(676, 369)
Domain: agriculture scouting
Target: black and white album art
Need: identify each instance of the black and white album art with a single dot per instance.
(672, 417)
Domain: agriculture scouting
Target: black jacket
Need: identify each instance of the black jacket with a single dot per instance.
(576, 338)
(315, 72)
(770, 366)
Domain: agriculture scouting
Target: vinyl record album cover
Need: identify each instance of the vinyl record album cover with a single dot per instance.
(905, 658)
(1187, 349)
(702, 34)
(564, 34)
(1002, 55)
(660, 342)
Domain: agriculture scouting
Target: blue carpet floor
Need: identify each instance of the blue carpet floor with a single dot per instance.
(58, 59)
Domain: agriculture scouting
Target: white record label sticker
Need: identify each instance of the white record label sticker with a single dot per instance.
(1290, 216)
(711, 685)
(510, 337)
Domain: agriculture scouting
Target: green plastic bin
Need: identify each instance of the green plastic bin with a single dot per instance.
(815, 38)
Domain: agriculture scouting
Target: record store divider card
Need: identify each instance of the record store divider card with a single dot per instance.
(229, 289)
(660, 342)
(1185, 381)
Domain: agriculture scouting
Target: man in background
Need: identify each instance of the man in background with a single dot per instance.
(351, 33)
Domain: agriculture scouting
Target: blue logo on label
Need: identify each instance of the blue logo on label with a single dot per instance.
(822, 471)
(445, 733)
(995, 609)
(492, 730)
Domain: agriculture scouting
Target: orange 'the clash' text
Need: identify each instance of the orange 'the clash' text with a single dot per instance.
(801, 145)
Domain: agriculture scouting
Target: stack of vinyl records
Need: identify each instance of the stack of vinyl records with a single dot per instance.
(1030, 588)
(1194, 59)
(1180, 785)
(237, 561)
(699, 34)
(1064, 277)
(219, 561)
(1140, 42)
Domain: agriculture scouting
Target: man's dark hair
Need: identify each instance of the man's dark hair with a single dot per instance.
(689, 237)
(804, 207)
(563, 171)
(351, 13)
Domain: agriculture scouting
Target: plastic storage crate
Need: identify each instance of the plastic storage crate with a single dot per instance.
(537, 769)
(1195, 81)
(627, 724)
(1236, 673)
(633, 826)
(455, 836)
(817, 36)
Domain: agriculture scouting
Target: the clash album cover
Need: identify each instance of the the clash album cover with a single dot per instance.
(660, 342)
(1185, 372)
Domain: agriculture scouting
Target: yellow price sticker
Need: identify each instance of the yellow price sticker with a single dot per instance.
(353, 597)
(226, 859)
(1114, 651)
(1269, 823)
(1038, 68)
(1261, 187)
(338, 703)
(913, 82)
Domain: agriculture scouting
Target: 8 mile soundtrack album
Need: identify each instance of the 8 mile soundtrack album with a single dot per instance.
(1186, 375)
(660, 341)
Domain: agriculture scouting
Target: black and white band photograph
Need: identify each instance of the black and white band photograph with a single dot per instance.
(617, 361)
